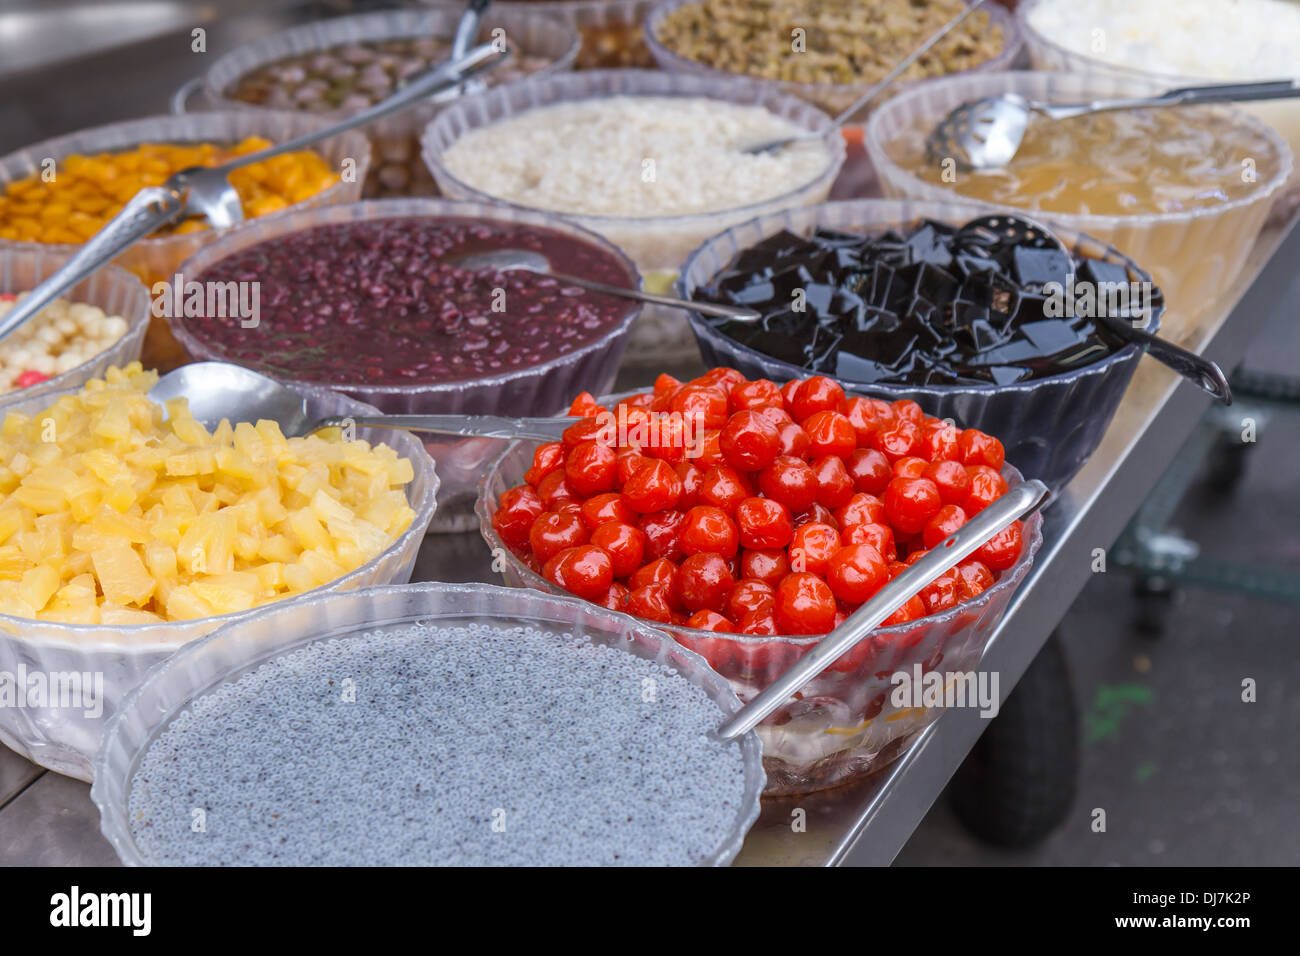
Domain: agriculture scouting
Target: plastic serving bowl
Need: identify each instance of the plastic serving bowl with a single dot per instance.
(226, 654)
(526, 391)
(1194, 255)
(156, 259)
(1047, 53)
(832, 97)
(843, 724)
(658, 245)
(395, 139)
(65, 738)
(610, 29)
(1049, 426)
(114, 290)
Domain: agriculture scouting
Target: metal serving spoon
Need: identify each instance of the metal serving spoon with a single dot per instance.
(508, 260)
(875, 90)
(218, 390)
(205, 191)
(986, 133)
(1006, 228)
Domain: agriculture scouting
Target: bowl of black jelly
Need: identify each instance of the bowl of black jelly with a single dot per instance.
(912, 299)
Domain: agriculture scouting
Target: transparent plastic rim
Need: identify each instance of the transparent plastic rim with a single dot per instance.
(1009, 579)
(374, 210)
(1013, 41)
(884, 214)
(189, 128)
(559, 88)
(136, 314)
(379, 26)
(988, 84)
(112, 816)
(102, 637)
(1090, 63)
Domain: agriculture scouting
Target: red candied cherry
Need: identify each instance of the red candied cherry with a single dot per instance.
(749, 442)
(518, 509)
(553, 489)
(790, 481)
(817, 513)
(607, 507)
(813, 395)
(879, 536)
(793, 439)
(706, 453)
(986, 487)
(624, 544)
(650, 602)
(707, 620)
(588, 429)
(952, 480)
(869, 469)
(662, 530)
(585, 571)
(868, 416)
(724, 488)
(910, 467)
(658, 571)
(900, 440)
(552, 532)
(812, 547)
(748, 595)
(585, 406)
(804, 604)
(764, 523)
(654, 486)
(774, 415)
(834, 486)
(670, 439)
(769, 565)
(912, 610)
(977, 448)
(758, 622)
(754, 394)
(939, 441)
(721, 376)
(945, 521)
(976, 578)
(546, 459)
(629, 460)
(704, 582)
(692, 480)
(829, 433)
(666, 384)
(907, 409)
(615, 598)
(942, 593)
(1003, 549)
(861, 508)
(856, 572)
(707, 528)
(704, 405)
(591, 468)
(910, 503)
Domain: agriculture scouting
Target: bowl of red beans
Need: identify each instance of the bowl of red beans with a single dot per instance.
(747, 520)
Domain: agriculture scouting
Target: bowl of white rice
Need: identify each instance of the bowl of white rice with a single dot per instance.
(654, 162)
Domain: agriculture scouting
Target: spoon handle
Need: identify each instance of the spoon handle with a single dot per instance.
(478, 426)
(143, 213)
(1020, 502)
(1183, 96)
(1196, 369)
(732, 312)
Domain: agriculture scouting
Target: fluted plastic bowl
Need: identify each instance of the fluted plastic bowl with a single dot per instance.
(1049, 426)
(65, 738)
(112, 289)
(237, 648)
(834, 98)
(548, 385)
(842, 725)
(1194, 254)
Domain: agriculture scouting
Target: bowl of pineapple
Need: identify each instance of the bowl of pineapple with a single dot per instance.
(128, 530)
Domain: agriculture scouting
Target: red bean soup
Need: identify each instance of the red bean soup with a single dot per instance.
(378, 302)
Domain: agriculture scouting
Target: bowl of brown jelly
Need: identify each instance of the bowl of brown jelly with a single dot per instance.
(899, 299)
